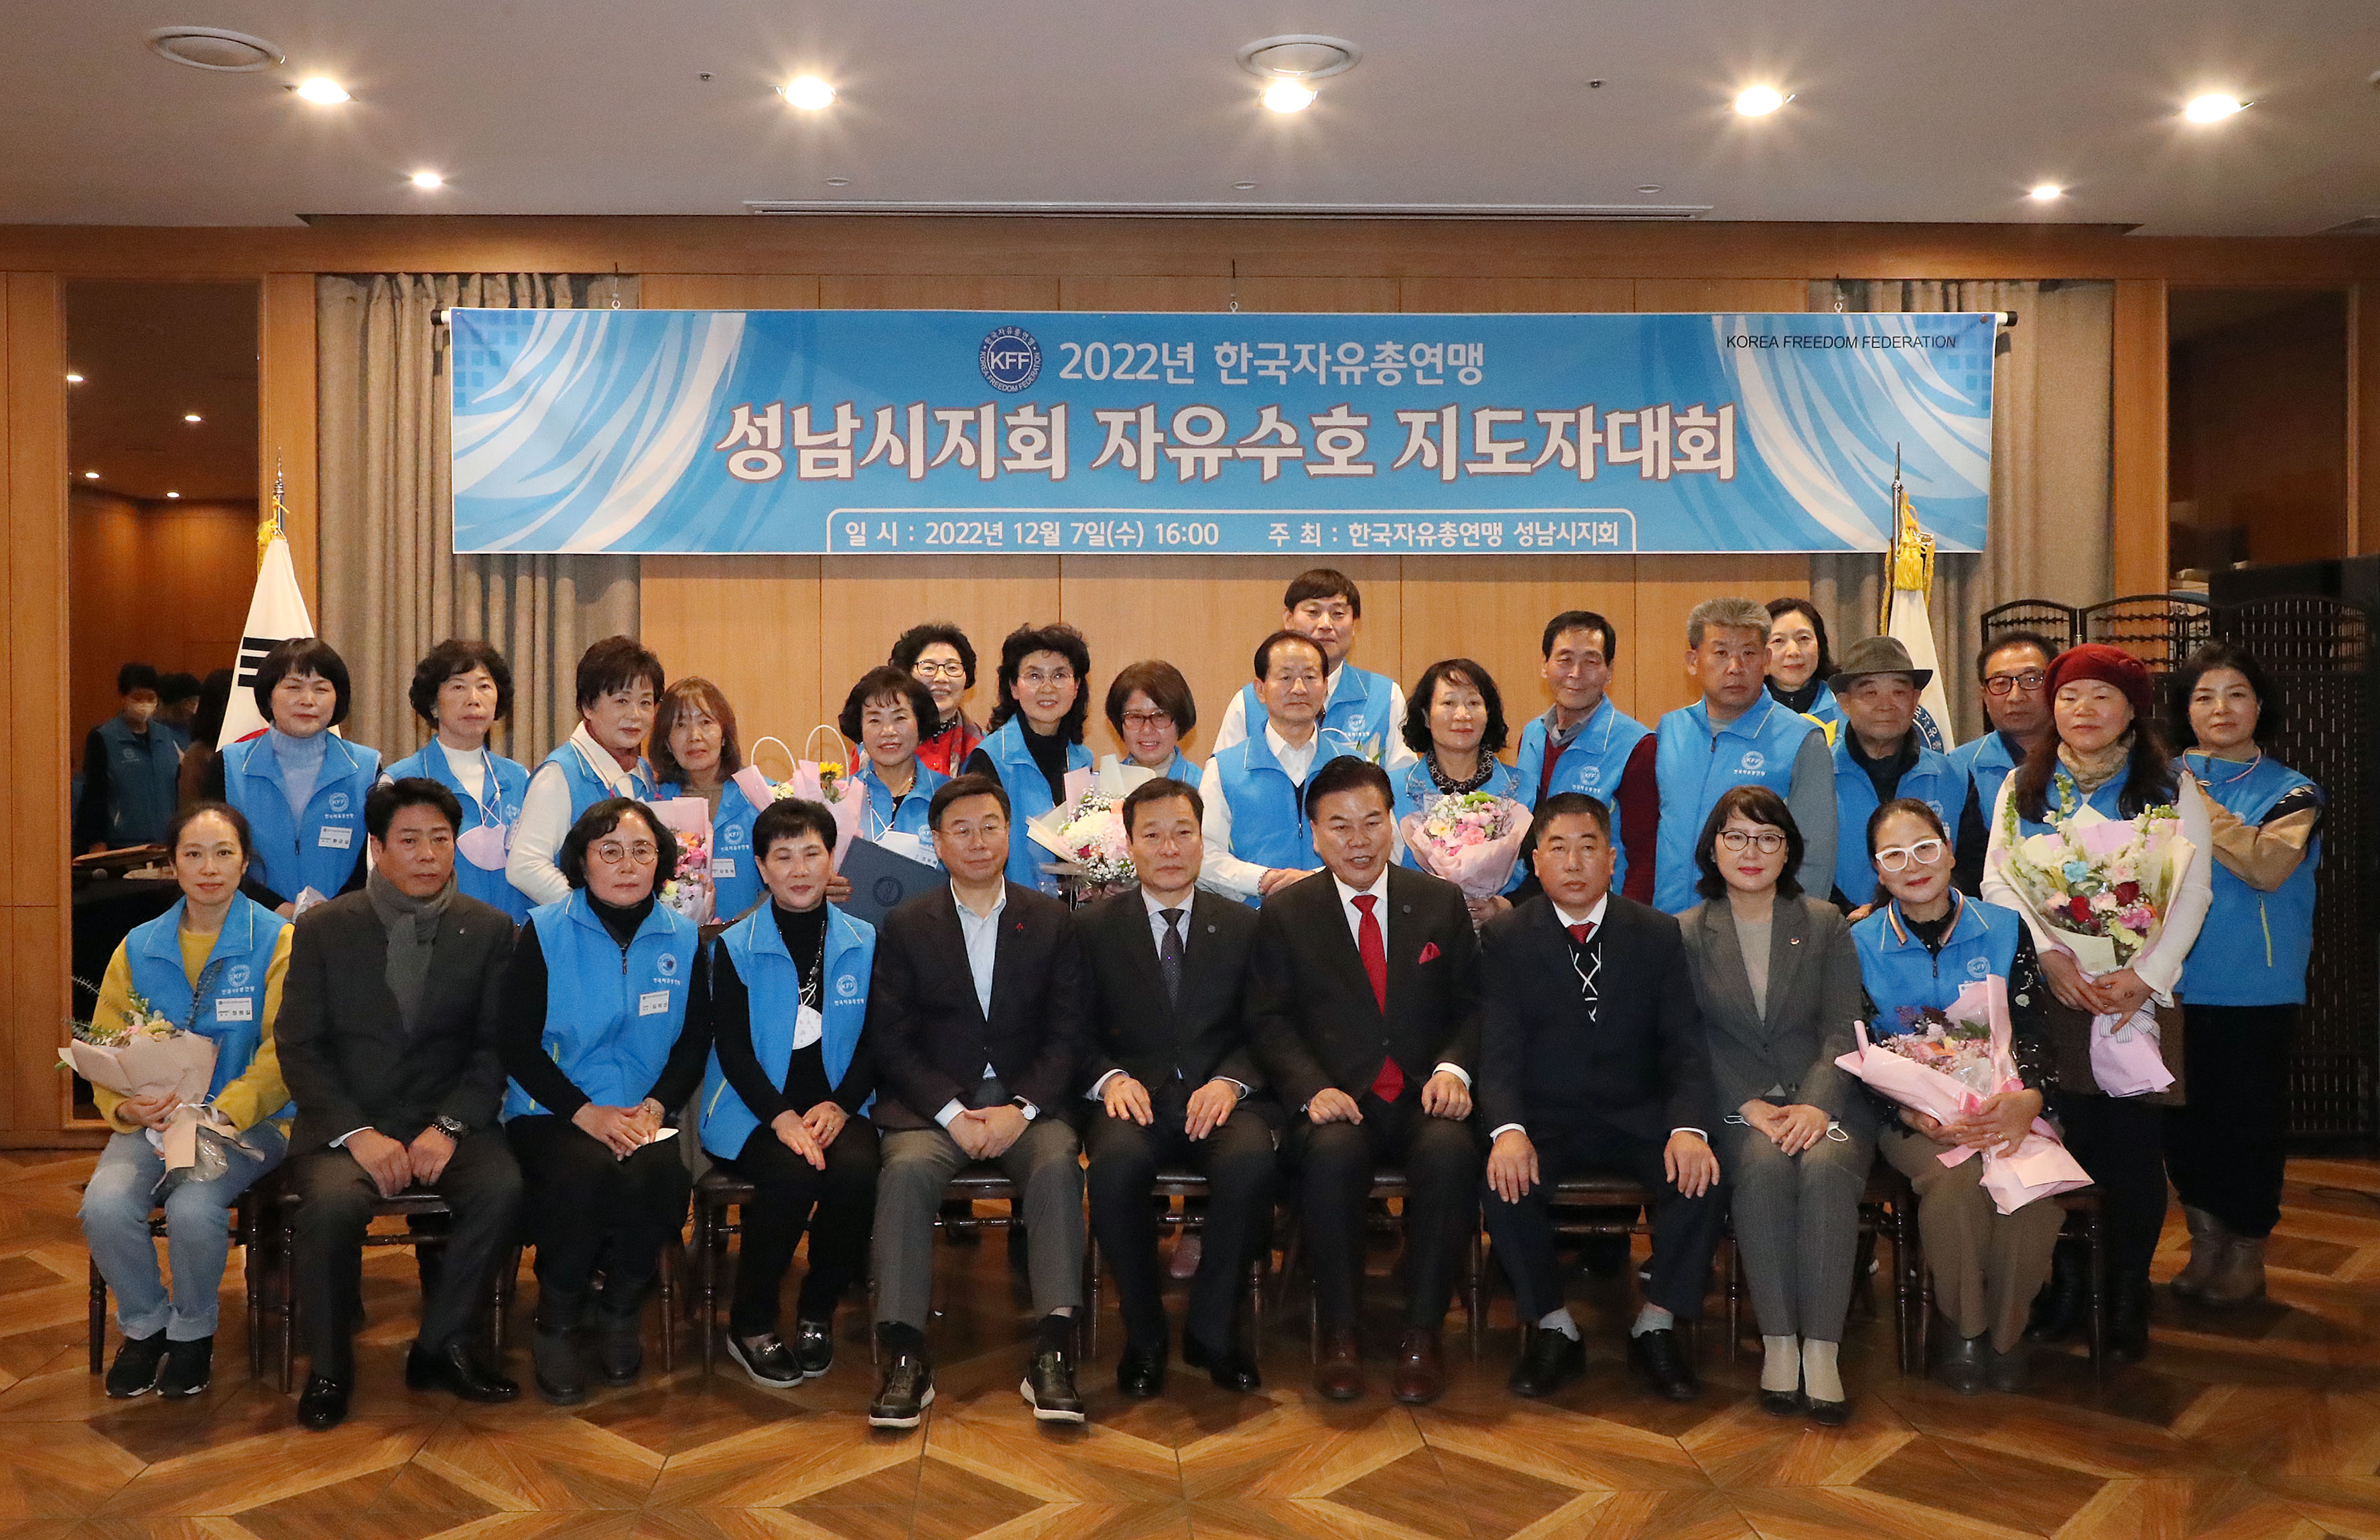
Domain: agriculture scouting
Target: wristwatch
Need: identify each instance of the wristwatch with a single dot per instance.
(454, 1128)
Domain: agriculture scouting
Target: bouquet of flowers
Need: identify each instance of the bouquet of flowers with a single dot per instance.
(1469, 838)
(143, 1053)
(829, 781)
(688, 888)
(1085, 832)
(1944, 1063)
(2102, 887)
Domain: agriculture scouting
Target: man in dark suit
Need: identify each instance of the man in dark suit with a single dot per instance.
(1592, 1058)
(976, 1016)
(1169, 1073)
(387, 1036)
(1362, 1003)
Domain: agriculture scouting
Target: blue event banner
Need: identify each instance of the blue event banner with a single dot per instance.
(899, 432)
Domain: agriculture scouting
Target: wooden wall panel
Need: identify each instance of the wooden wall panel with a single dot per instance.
(1431, 294)
(1666, 588)
(39, 955)
(866, 602)
(285, 406)
(2137, 452)
(1262, 293)
(728, 291)
(904, 291)
(747, 624)
(1673, 296)
(2363, 420)
(1493, 609)
(1194, 293)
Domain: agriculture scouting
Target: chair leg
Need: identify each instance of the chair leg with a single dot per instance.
(284, 1268)
(673, 1254)
(252, 1278)
(1091, 1296)
(1475, 1292)
(98, 1319)
(1734, 1300)
(2096, 1248)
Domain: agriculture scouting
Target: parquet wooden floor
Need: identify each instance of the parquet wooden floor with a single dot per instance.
(2260, 1424)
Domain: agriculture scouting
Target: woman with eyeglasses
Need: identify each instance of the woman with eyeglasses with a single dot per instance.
(1924, 943)
(943, 660)
(1776, 979)
(597, 1038)
(2109, 755)
(2245, 980)
(1037, 735)
(1151, 712)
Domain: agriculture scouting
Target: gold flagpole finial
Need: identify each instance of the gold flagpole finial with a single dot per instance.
(1908, 561)
(276, 522)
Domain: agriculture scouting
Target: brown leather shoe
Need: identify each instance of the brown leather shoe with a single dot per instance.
(1339, 1374)
(1421, 1367)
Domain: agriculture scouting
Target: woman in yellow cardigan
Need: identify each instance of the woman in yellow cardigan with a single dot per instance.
(213, 963)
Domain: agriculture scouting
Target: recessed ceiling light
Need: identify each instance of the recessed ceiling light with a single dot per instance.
(1288, 96)
(1243, 186)
(74, 379)
(808, 93)
(323, 90)
(1759, 101)
(213, 48)
(838, 181)
(173, 495)
(1650, 187)
(2046, 193)
(428, 181)
(2214, 107)
(90, 476)
(191, 417)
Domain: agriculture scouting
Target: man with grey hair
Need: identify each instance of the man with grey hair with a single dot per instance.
(1737, 734)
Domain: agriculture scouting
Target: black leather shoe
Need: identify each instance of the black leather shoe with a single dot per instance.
(765, 1359)
(1829, 1413)
(139, 1361)
(907, 1391)
(813, 1346)
(1959, 1363)
(2127, 1319)
(1141, 1375)
(620, 1346)
(1655, 1355)
(453, 1369)
(1049, 1388)
(1782, 1403)
(323, 1403)
(2009, 1372)
(1553, 1359)
(2064, 1309)
(1229, 1371)
(560, 1372)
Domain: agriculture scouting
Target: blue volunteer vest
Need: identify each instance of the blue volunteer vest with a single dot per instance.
(1028, 797)
(907, 816)
(141, 768)
(587, 788)
(1696, 764)
(496, 806)
(1592, 762)
(735, 870)
(1269, 824)
(319, 850)
(2106, 800)
(1362, 712)
(1183, 769)
(1898, 971)
(758, 950)
(1416, 791)
(227, 1004)
(610, 1021)
(1932, 781)
(2253, 947)
(1985, 762)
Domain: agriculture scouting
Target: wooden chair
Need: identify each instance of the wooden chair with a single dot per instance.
(1887, 1210)
(1169, 1185)
(245, 1216)
(2085, 1226)
(1576, 1201)
(1389, 1183)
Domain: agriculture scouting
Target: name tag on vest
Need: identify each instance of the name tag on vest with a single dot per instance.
(653, 1002)
(242, 1009)
(338, 838)
(722, 865)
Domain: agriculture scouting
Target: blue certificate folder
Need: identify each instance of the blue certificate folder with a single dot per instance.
(881, 881)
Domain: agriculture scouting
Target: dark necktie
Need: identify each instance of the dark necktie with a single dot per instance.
(1390, 1083)
(1169, 954)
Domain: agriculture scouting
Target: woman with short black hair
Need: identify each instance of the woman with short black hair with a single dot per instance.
(462, 689)
(300, 786)
(1800, 661)
(1454, 721)
(943, 660)
(599, 1042)
(1036, 735)
(885, 714)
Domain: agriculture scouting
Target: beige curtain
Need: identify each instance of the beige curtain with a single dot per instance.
(392, 586)
(2050, 511)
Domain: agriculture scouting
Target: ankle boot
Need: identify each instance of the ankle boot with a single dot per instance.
(2242, 1276)
(2127, 1319)
(560, 1372)
(2062, 1309)
(2210, 1243)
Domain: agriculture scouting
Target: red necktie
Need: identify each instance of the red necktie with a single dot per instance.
(1582, 934)
(1390, 1083)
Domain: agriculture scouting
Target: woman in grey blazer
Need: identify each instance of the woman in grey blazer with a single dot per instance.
(1777, 980)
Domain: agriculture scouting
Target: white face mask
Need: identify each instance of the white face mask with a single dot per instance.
(137, 713)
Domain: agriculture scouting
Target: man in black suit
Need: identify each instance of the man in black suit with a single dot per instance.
(1362, 1002)
(1592, 1058)
(1169, 1073)
(975, 1015)
(387, 1036)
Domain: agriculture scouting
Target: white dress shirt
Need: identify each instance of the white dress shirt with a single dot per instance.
(981, 934)
(1223, 872)
(545, 818)
(1354, 917)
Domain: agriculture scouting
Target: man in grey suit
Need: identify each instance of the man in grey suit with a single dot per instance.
(387, 1036)
(975, 1015)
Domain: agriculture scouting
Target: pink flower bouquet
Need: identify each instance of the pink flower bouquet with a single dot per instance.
(1469, 838)
(688, 888)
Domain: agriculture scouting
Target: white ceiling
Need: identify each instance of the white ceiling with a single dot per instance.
(1918, 110)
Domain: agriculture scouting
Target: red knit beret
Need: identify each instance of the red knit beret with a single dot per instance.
(2109, 665)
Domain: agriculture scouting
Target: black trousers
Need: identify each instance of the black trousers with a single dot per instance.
(2227, 1146)
(1243, 1176)
(585, 1207)
(481, 1184)
(837, 1206)
(2120, 1141)
(1335, 1162)
(1685, 1231)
